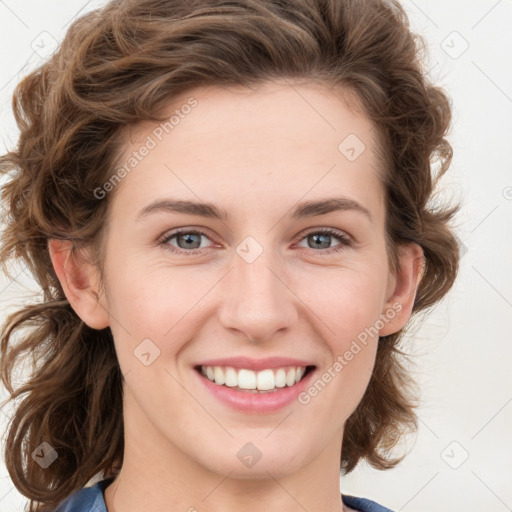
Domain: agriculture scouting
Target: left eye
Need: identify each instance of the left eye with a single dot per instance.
(322, 239)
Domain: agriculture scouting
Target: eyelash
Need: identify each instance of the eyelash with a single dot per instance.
(346, 241)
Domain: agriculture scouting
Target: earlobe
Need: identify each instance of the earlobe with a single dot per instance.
(405, 285)
(80, 281)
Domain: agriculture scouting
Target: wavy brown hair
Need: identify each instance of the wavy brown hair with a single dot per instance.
(121, 64)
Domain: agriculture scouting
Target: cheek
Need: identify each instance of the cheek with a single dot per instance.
(339, 386)
(150, 296)
(348, 304)
(156, 303)
(346, 300)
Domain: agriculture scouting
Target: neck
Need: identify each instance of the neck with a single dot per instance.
(168, 480)
(163, 474)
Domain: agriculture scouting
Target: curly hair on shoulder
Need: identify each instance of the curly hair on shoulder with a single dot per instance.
(121, 64)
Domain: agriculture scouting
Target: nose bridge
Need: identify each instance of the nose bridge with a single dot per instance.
(257, 301)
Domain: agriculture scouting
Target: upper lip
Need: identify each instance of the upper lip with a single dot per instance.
(255, 364)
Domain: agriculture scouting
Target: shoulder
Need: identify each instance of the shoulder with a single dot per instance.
(363, 504)
(88, 499)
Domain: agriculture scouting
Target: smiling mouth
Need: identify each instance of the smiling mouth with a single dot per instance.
(269, 380)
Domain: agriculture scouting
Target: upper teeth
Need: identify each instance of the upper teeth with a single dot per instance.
(248, 379)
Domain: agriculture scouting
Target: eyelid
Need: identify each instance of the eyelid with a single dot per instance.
(328, 231)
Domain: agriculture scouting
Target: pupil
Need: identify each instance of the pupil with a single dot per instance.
(189, 238)
(319, 243)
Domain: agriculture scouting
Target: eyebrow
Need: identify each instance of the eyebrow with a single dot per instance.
(209, 210)
(314, 208)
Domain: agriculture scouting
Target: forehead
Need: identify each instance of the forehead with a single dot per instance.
(272, 105)
(215, 139)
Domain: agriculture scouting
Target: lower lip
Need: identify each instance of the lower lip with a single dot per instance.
(256, 402)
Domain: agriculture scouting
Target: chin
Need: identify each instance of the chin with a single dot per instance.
(247, 462)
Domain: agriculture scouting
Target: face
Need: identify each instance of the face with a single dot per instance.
(251, 234)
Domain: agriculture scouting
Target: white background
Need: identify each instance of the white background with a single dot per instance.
(462, 453)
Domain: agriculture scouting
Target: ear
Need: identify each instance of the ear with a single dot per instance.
(80, 281)
(402, 288)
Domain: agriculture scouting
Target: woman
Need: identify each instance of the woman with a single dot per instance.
(226, 205)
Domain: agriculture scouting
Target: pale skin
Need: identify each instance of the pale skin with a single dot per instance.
(254, 154)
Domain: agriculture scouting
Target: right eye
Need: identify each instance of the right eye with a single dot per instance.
(186, 241)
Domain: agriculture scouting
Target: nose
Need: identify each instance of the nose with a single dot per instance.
(258, 301)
